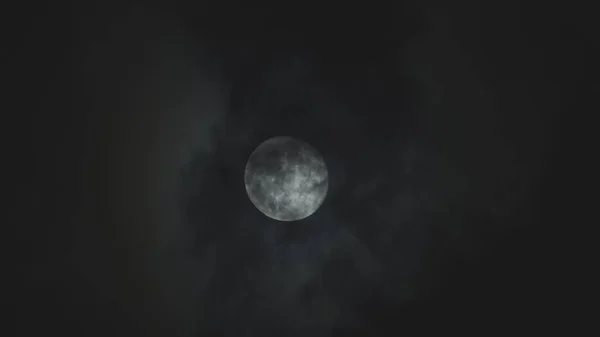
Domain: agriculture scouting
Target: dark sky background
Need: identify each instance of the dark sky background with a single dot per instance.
(440, 124)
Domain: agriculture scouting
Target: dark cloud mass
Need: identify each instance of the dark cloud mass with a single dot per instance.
(436, 125)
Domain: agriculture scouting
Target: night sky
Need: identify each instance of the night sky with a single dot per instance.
(440, 125)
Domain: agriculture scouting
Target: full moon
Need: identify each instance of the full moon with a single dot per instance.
(286, 179)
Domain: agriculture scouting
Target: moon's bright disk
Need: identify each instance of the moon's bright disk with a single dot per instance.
(286, 179)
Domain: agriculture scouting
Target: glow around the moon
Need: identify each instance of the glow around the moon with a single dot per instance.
(286, 179)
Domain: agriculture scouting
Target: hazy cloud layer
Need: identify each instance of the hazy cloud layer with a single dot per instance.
(211, 261)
